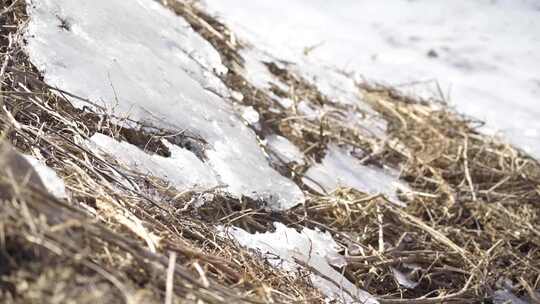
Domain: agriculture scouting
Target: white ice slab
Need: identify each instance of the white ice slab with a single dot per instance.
(333, 84)
(289, 249)
(182, 169)
(340, 169)
(137, 58)
(285, 150)
(52, 182)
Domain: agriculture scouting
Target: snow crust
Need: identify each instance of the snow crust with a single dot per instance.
(285, 150)
(52, 182)
(484, 54)
(503, 296)
(182, 169)
(138, 59)
(290, 250)
(340, 168)
(330, 82)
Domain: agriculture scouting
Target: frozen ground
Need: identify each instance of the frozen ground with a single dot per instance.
(200, 176)
(330, 81)
(485, 54)
(140, 60)
(153, 68)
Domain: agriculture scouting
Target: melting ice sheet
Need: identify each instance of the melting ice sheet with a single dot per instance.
(313, 248)
(336, 86)
(285, 150)
(485, 54)
(339, 168)
(137, 58)
(182, 169)
(53, 183)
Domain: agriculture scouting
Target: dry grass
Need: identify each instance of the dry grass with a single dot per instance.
(469, 229)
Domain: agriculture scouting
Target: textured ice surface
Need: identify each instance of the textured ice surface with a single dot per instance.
(339, 168)
(487, 62)
(182, 169)
(333, 84)
(54, 184)
(137, 58)
(285, 150)
(250, 115)
(255, 70)
(289, 249)
(504, 296)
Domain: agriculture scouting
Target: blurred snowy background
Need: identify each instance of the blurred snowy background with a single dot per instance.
(483, 54)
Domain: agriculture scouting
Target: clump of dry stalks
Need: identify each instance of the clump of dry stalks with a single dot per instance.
(469, 228)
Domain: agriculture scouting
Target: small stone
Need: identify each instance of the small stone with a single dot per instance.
(432, 54)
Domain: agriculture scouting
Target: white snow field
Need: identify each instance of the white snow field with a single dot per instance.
(138, 59)
(484, 54)
(289, 249)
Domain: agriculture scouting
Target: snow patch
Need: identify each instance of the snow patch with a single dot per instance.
(331, 83)
(154, 68)
(250, 115)
(182, 169)
(52, 182)
(285, 150)
(290, 250)
(340, 169)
